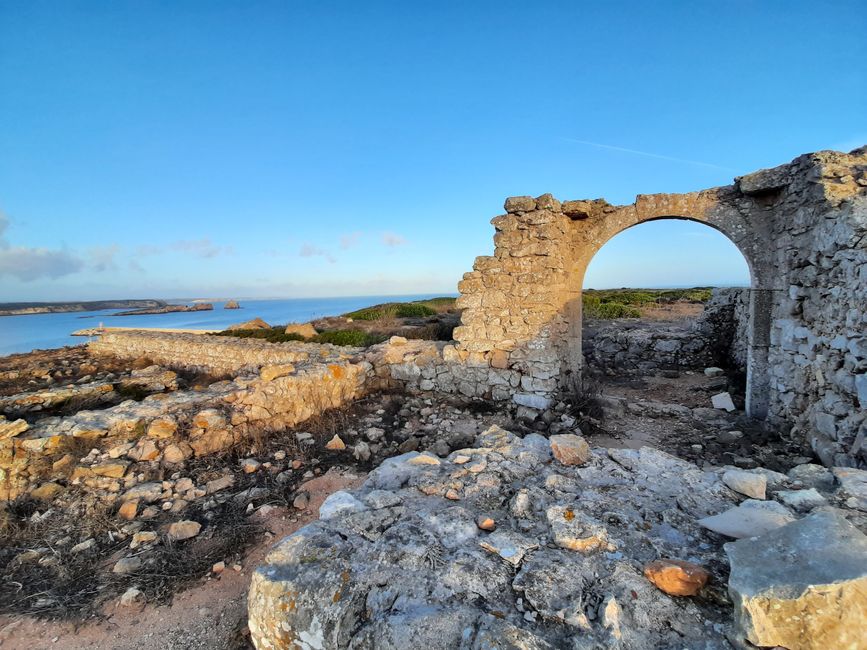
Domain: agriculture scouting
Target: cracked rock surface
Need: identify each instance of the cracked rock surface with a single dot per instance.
(397, 564)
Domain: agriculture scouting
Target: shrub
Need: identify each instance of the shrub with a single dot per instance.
(355, 338)
(392, 310)
(272, 335)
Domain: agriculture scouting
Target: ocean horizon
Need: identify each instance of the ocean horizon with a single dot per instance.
(25, 333)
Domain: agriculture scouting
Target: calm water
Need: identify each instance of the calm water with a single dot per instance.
(40, 331)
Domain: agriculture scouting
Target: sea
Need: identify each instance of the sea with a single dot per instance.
(45, 331)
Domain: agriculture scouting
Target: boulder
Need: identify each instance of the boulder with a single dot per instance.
(853, 486)
(302, 329)
(255, 324)
(802, 586)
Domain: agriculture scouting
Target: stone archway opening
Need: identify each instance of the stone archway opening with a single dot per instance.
(750, 310)
(662, 301)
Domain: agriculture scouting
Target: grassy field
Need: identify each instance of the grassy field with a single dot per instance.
(634, 303)
(387, 310)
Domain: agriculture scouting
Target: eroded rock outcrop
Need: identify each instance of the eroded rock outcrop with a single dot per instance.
(402, 562)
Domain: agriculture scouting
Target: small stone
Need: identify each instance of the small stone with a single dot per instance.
(86, 545)
(723, 401)
(128, 510)
(219, 484)
(301, 501)
(486, 523)
(335, 444)
(452, 495)
(47, 491)
(570, 449)
(746, 483)
(713, 371)
(127, 565)
(181, 530)
(361, 451)
(250, 465)
(218, 567)
(143, 537)
(676, 577)
(279, 455)
(461, 459)
(132, 597)
(297, 464)
(424, 459)
(164, 427)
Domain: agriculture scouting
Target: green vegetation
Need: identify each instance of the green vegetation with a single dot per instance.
(418, 308)
(272, 335)
(356, 338)
(627, 303)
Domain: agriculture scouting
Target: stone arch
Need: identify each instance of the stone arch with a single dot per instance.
(707, 208)
(801, 226)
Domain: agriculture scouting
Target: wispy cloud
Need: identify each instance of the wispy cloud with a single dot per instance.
(309, 250)
(102, 257)
(648, 154)
(350, 240)
(144, 250)
(28, 264)
(392, 239)
(203, 247)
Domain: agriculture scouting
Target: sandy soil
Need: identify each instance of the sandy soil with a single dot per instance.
(210, 616)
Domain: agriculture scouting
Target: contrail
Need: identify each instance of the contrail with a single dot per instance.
(650, 155)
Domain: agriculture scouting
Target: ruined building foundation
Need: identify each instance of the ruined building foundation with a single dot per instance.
(800, 226)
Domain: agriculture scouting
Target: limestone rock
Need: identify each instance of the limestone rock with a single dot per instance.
(749, 519)
(853, 486)
(723, 401)
(132, 597)
(12, 429)
(127, 565)
(713, 371)
(269, 373)
(335, 444)
(570, 449)
(802, 586)
(746, 483)
(254, 324)
(520, 204)
(676, 577)
(47, 491)
(801, 500)
(231, 304)
(575, 530)
(303, 329)
(181, 530)
(163, 427)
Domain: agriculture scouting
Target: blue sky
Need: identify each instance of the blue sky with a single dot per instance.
(182, 149)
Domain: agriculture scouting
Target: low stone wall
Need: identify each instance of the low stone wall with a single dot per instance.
(718, 337)
(164, 430)
(215, 354)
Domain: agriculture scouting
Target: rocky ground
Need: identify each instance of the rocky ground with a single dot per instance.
(174, 568)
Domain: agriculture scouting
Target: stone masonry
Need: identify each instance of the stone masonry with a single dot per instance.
(801, 227)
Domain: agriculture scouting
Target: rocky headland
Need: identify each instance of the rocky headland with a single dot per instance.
(24, 308)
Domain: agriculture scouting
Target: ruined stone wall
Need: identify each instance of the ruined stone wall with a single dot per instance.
(801, 228)
(214, 354)
(166, 429)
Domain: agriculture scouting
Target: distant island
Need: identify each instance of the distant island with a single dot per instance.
(25, 308)
(167, 309)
